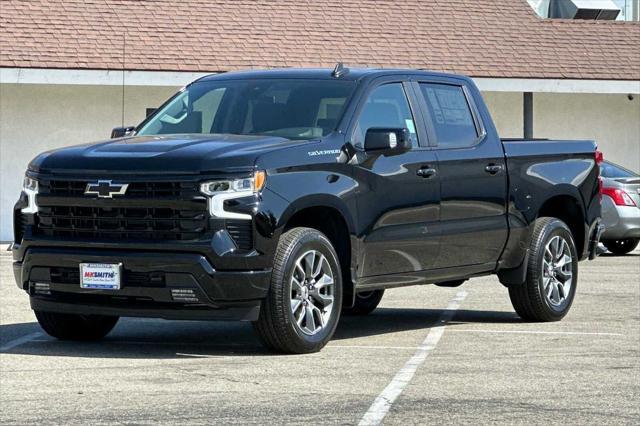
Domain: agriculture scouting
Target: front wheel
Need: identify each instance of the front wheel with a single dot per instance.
(76, 327)
(552, 274)
(621, 247)
(302, 308)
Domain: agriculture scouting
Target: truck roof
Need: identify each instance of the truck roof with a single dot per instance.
(353, 74)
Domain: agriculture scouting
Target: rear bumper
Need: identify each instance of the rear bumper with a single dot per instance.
(151, 285)
(621, 222)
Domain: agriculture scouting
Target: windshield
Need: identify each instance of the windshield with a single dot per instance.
(293, 109)
(610, 170)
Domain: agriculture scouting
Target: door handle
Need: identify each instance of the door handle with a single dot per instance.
(426, 172)
(493, 169)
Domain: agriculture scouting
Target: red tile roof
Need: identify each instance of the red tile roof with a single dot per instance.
(481, 38)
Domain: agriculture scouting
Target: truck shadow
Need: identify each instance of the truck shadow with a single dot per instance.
(159, 339)
(392, 320)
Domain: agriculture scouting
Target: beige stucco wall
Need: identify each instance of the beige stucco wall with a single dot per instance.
(613, 121)
(506, 110)
(35, 118)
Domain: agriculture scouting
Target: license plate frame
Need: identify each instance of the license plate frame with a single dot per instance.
(101, 276)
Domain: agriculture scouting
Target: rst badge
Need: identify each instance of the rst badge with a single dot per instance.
(105, 188)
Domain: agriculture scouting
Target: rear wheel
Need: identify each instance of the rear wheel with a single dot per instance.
(365, 303)
(552, 274)
(302, 308)
(621, 247)
(76, 327)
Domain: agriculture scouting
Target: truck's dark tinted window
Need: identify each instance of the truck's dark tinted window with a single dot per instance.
(386, 106)
(293, 109)
(450, 115)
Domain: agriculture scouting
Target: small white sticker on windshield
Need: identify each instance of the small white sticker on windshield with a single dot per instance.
(409, 124)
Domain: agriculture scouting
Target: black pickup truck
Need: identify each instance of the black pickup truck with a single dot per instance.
(288, 197)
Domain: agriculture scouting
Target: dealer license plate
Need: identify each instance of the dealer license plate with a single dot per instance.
(102, 276)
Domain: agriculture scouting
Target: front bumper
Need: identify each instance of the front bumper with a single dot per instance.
(150, 285)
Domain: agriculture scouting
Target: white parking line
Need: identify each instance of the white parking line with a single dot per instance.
(387, 397)
(19, 341)
(413, 348)
(577, 333)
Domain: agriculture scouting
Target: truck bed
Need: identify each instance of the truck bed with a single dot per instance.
(543, 147)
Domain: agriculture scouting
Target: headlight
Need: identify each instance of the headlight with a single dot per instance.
(220, 191)
(30, 187)
(252, 184)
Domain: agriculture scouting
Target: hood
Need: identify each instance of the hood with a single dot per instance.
(168, 154)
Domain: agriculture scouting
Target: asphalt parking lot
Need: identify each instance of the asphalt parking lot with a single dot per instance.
(427, 355)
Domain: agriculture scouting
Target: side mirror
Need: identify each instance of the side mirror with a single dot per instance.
(387, 140)
(150, 111)
(119, 132)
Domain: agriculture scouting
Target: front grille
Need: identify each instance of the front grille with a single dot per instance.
(147, 211)
(76, 188)
(121, 222)
(241, 232)
(129, 278)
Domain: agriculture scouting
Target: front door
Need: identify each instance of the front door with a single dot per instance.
(473, 177)
(398, 202)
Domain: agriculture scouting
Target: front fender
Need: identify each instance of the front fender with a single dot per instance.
(316, 188)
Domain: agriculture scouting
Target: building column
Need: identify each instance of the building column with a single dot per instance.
(528, 115)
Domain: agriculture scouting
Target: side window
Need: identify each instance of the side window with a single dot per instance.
(386, 106)
(450, 114)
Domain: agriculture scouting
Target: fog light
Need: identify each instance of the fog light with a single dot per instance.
(185, 295)
(42, 289)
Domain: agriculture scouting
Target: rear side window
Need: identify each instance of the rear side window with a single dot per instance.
(450, 114)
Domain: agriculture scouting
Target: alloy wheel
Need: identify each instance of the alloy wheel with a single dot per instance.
(557, 271)
(312, 292)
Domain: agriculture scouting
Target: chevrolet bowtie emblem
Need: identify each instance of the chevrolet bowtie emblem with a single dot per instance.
(105, 189)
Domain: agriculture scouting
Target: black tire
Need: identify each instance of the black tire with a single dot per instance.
(530, 300)
(76, 327)
(455, 283)
(276, 325)
(365, 303)
(621, 247)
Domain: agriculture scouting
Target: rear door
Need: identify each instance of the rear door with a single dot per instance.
(399, 195)
(473, 178)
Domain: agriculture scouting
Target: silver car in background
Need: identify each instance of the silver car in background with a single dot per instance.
(620, 208)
